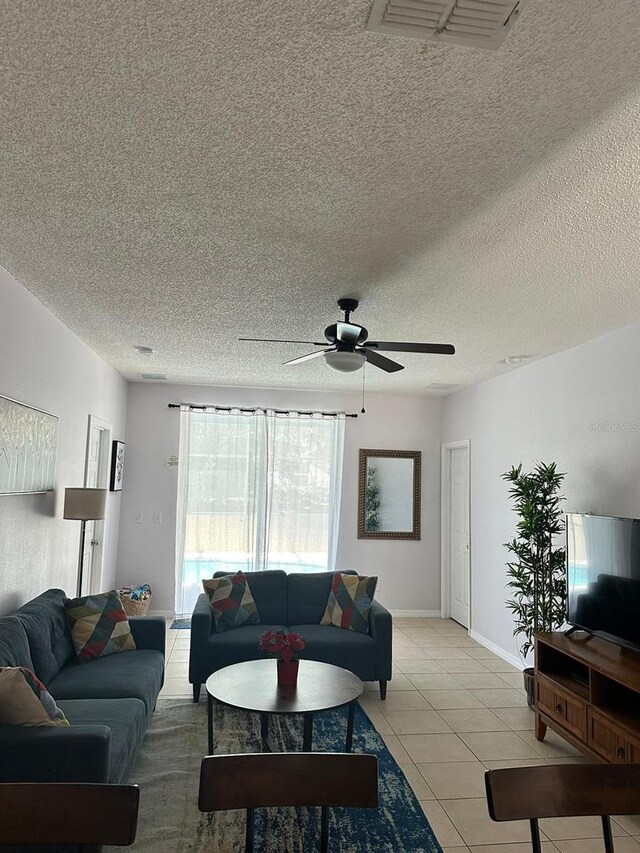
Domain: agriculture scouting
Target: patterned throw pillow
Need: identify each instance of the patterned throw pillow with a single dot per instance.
(231, 601)
(25, 701)
(99, 626)
(349, 602)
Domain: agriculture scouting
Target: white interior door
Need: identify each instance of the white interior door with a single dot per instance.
(96, 477)
(459, 535)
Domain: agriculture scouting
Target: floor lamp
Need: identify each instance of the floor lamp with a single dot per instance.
(84, 505)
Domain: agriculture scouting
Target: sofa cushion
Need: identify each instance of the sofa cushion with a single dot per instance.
(349, 602)
(348, 649)
(236, 646)
(14, 644)
(45, 623)
(135, 674)
(307, 596)
(127, 720)
(269, 590)
(231, 600)
(24, 700)
(99, 626)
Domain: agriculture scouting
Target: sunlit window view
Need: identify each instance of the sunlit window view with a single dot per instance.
(258, 492)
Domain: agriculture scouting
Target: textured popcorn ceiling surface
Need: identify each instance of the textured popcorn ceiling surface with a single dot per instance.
(176, 174)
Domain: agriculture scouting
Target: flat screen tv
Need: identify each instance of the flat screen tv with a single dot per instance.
(603, 577)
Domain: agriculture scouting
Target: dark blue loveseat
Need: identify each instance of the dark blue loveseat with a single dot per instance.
(108, 701)
(294, 602)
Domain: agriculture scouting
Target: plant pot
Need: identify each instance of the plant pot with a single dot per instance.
(530, 685)
(288, 673)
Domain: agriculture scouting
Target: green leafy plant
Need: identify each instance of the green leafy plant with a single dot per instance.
(537, 572)
(371, 501)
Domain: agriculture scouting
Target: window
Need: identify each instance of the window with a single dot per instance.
(257, 491)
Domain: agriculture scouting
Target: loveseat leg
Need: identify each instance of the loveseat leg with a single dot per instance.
(383, 690)
(196, 692)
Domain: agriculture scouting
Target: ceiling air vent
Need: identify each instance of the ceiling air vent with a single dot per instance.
(157, 377)
(475, 23)
(443, 387)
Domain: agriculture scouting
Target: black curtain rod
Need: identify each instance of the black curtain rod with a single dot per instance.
(253, 411)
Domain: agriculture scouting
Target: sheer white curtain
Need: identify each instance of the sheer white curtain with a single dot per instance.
(256, 491)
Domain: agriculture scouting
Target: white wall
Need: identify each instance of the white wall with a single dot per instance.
(408, 570)
(44, 364)
(579, 408)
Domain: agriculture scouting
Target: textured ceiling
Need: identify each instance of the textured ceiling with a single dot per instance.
(176, 174)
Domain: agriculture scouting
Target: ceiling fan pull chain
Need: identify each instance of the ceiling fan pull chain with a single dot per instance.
(364, 368)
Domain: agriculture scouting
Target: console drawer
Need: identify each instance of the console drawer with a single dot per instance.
(611, 742)
(569, 711)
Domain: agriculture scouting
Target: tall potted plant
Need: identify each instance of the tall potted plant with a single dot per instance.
(537, 571)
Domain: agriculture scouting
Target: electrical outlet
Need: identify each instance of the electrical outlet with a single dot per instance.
(137, 518)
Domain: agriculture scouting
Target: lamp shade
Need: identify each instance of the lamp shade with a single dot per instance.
(344, 361)
(85, 504)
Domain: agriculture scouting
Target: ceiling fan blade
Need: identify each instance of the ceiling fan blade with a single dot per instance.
(381, 361)
(348, 334)
(400, 346)
(278, 341)
(308, 356)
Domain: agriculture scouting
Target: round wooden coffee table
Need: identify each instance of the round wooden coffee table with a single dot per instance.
(253, 686)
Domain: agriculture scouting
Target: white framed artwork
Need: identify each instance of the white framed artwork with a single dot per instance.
(28, 447)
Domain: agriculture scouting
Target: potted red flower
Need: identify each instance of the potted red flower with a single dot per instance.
(283, 646)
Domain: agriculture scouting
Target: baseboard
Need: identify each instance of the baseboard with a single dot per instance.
(430, 614)
(167, 614)
(497, 650)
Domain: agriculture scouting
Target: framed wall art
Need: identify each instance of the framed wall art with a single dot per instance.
(117, 466)
(389, 494)
(28, 447)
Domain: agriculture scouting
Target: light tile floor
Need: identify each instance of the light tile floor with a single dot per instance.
(454, 710)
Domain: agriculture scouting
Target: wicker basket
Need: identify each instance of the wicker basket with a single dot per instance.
(135, 608)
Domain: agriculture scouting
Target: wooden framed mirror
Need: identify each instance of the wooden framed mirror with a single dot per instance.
(389, 494)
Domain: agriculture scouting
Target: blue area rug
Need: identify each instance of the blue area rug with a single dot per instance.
(396, 826)
(168, 775)
(181, 624)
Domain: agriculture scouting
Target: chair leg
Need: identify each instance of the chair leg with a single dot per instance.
(248, 848)
(196, 692)
(606, 832)
(535, 836)
(324, 830)
(383, 690)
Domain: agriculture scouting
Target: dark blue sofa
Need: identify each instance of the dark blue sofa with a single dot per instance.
(295, 602)
(108, 701)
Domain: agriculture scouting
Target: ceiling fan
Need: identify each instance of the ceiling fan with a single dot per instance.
(350, 348)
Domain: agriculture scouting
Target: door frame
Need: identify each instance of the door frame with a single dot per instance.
(94, 576)
(445, 529)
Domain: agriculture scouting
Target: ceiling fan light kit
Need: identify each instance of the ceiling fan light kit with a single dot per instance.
(344, 361)
(349, 345)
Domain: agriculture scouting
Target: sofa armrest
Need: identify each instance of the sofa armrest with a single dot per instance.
(202, 622)
(202, 626)
(55, 753)
(149, 632)
(381, 629)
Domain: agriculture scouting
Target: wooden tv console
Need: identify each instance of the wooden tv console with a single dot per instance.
(588, 691)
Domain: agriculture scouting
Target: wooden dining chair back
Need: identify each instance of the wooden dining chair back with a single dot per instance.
(564, 790)
(266, 780)
(86, 816)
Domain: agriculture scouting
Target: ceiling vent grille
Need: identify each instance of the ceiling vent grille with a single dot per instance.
(156, 377)
(442, 387)
(475, 23)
